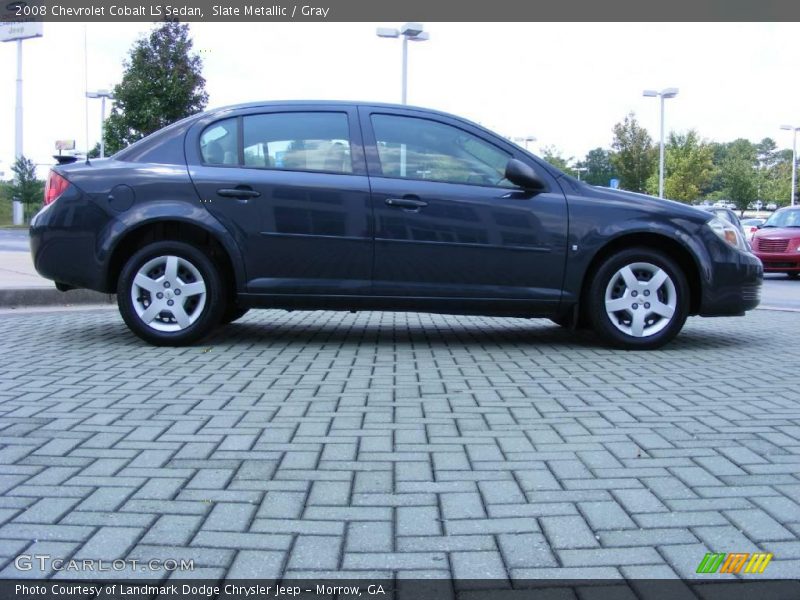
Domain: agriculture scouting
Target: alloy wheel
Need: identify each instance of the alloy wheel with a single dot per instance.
(640, 299)
(168, 293)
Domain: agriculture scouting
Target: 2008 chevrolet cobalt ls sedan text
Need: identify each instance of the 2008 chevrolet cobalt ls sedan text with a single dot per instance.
(323, 205)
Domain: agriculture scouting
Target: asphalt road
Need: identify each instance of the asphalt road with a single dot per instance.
(14, 240)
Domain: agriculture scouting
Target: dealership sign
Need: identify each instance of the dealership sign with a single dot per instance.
(15, 23)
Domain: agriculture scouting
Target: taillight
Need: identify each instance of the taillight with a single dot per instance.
(56, 185)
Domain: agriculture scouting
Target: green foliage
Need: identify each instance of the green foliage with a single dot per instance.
(599, 169)
(688, 167)
(26, 187)
(5, 204)
(552, 155)
(162, 84)
(634, 155)
(739, 170)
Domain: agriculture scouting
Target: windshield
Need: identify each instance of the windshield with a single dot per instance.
(784, 218)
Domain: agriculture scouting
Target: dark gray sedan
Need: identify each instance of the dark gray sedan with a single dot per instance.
(348, 206)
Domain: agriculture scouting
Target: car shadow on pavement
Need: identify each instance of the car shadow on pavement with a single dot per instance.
(276, 328)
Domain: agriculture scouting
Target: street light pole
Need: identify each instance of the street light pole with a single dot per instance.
(409, 32)
(405, 70)
(794, 130)
(102, 94)
(662, 95)
(18, 110)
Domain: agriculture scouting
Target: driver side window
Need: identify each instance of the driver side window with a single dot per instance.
(414, 148)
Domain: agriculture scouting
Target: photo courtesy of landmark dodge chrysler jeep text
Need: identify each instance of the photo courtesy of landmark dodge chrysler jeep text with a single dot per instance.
(349, 206)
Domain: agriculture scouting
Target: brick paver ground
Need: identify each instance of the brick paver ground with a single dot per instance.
(367, 445)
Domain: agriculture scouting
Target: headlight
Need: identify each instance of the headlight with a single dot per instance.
(729, 233)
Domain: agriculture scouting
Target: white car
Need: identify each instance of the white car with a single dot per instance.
(750, 226)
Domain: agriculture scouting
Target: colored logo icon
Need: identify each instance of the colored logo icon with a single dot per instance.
(733, 562)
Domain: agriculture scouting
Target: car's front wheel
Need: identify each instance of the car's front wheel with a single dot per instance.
(638, 299)
(170, 294)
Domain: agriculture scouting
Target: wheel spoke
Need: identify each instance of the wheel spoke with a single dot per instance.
(192, 289)
(172, 268)
(180, 316)
(151, 312)
(618, 304)
(657, 280)
(145, 282)
(628, 276)
(637, 323)
(664, 310)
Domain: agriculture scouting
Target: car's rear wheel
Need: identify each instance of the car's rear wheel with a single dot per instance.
(639, 299)
(170, 294)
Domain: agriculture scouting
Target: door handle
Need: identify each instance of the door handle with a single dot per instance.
(242, 192)
(406, 203)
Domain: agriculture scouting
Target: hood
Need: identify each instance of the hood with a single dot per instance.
(646, 203)
(777, 233)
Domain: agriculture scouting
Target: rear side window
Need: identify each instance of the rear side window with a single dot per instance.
(218, 143)
(414, 148)
(310, 141)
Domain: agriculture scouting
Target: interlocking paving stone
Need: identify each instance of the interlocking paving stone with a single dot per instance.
(415, 445)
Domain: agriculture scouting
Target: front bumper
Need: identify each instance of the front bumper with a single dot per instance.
(734, 281)
(780, 262)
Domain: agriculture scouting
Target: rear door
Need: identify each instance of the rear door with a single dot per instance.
(290, 184)
(447, 223)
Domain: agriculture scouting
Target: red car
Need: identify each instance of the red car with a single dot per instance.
(777, 242)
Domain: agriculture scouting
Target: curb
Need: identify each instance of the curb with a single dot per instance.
(25, 297)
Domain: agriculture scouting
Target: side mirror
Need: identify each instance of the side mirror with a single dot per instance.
(518, 173)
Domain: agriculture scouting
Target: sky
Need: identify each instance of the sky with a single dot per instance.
(567, 84)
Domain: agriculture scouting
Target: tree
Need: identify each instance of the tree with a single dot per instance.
(689, 167)
(162, 84)
(26, 188)
(634, 156)
(739, 171)
(552, 155)
(599, 169)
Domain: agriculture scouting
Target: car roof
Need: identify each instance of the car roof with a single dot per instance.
(342, 103)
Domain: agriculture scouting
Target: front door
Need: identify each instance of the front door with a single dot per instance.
(448, 224)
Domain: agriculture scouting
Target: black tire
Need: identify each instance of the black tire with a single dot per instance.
(191, 262)
(232, 313)
(655, 330)
(793, 274)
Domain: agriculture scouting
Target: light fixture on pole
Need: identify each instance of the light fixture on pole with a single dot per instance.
(102, 94)
(794, 131)
(663, 95)
(409, 32)
(524, 139)
(580, 170)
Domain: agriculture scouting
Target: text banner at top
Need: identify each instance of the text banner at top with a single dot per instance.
(399, 10)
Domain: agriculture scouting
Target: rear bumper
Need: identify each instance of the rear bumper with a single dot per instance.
(64, 244)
